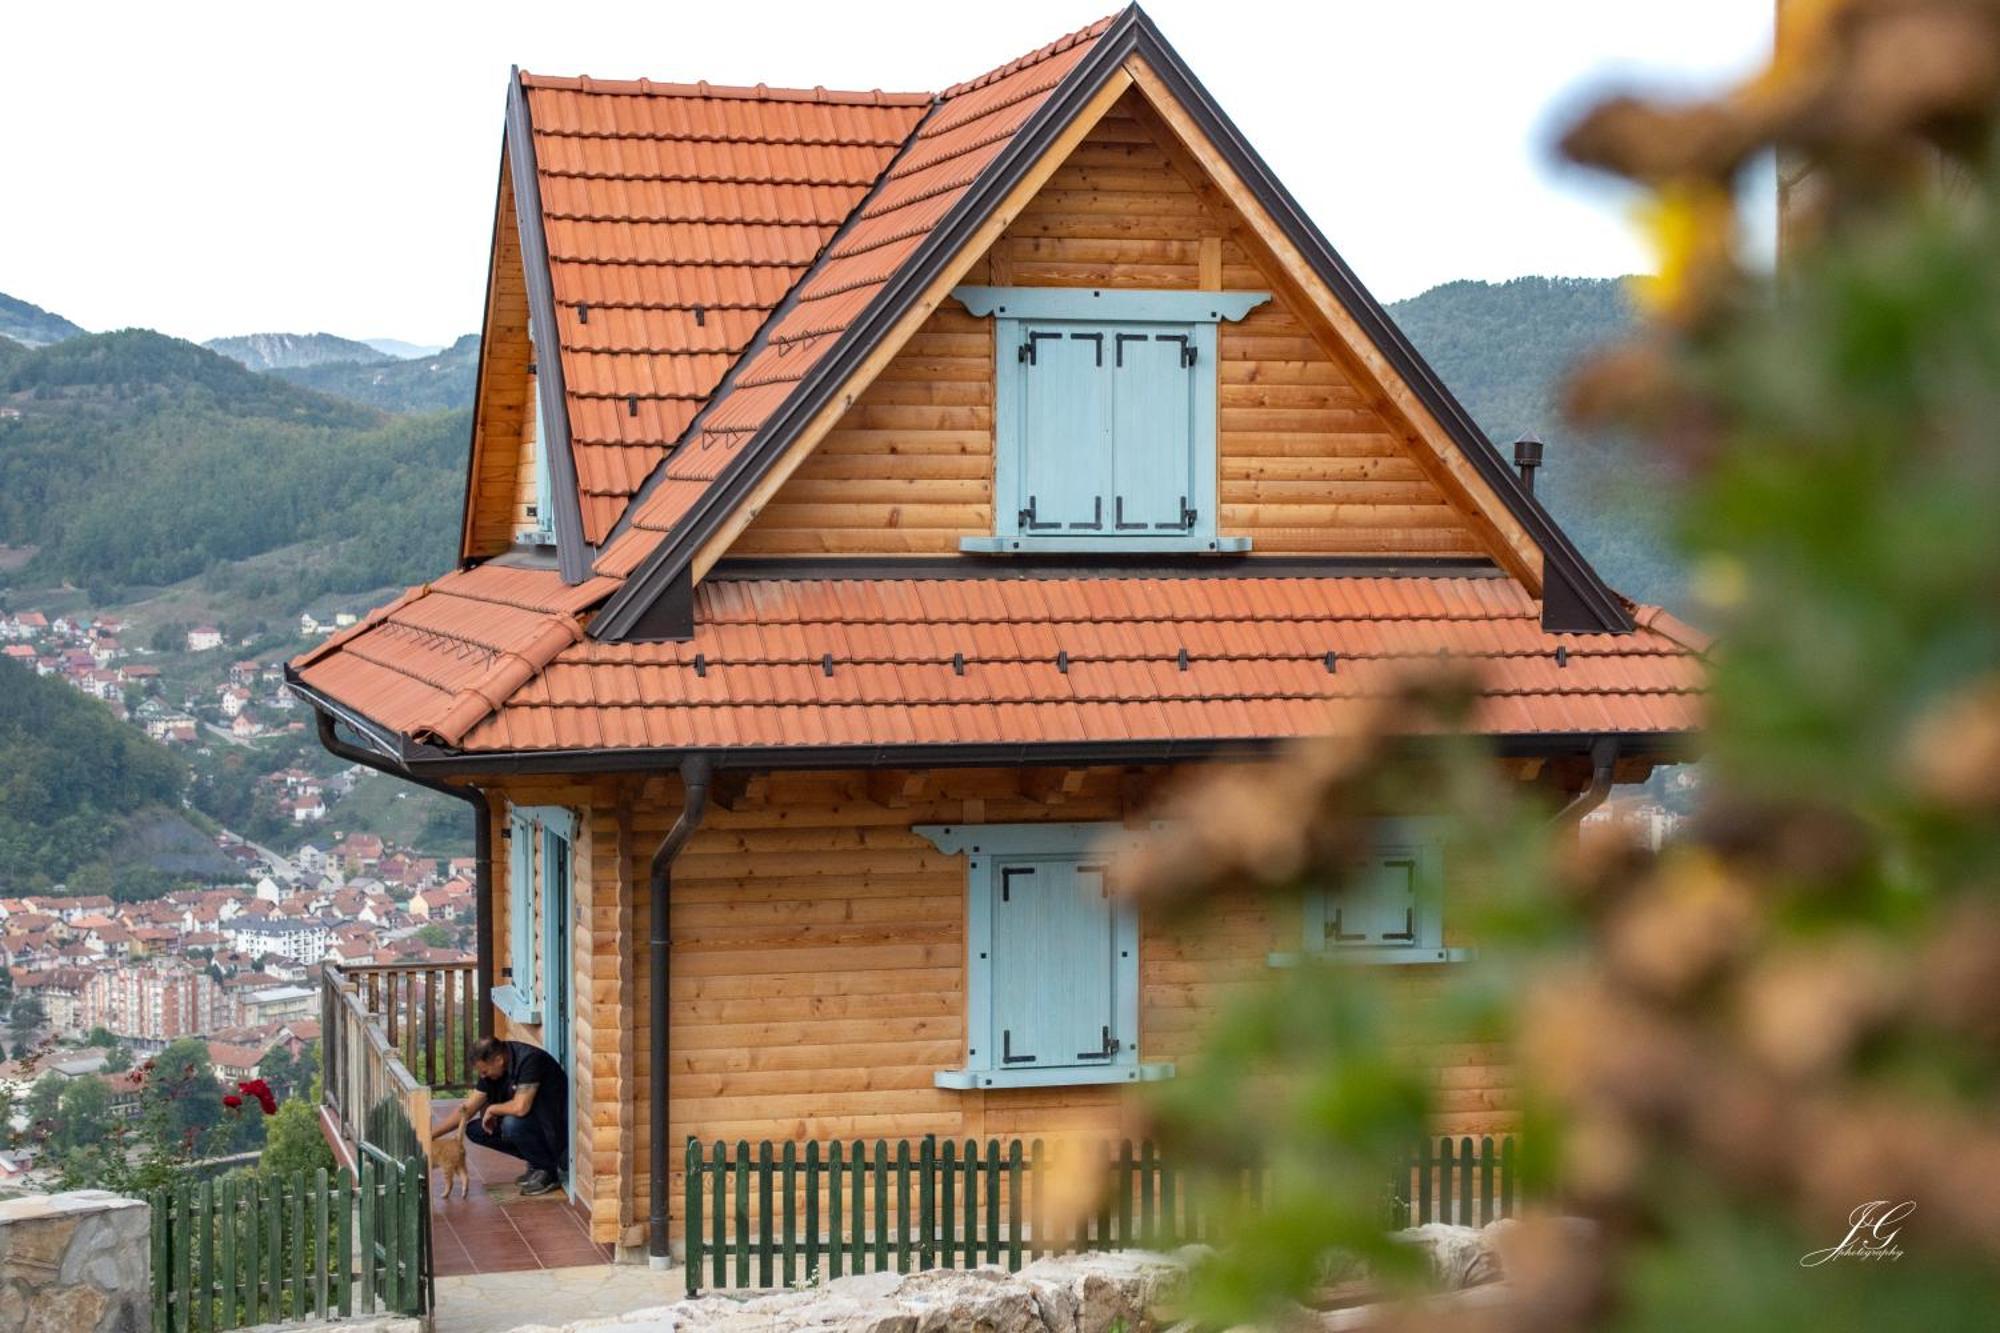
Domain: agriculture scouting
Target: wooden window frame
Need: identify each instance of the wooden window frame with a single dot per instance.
(985, 846)
(531, 829)
(1194, 314)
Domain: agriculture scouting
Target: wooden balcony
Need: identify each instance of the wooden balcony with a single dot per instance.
(391, 1036)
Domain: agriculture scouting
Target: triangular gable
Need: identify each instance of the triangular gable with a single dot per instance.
(927, 220)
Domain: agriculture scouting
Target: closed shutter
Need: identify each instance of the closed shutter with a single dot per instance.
(1053, 965)
(1066, 423)
(1152, 428)
(1379, 907)
(521, 906)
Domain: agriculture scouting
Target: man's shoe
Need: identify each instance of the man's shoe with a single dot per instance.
(525, 1176)
(539, 1182)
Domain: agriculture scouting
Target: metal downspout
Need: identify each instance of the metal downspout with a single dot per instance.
(482, 852)
(1603, 759)
(695, 773)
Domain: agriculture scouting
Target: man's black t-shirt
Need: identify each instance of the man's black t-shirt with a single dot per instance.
(531, 1064)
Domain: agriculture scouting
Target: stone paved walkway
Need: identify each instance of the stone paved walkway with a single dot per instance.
(493, 1302)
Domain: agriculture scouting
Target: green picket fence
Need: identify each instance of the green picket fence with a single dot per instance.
(778, 1216)
(235, 1252)
(1457, 1181)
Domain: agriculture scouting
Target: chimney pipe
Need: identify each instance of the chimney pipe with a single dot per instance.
(1528, 457)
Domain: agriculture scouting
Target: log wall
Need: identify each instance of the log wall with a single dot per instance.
(818, 973)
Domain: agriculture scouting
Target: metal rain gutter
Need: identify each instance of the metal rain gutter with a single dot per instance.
(696, 770)
(482, 848)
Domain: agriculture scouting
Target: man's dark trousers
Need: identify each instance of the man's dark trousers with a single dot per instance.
(521, 1136)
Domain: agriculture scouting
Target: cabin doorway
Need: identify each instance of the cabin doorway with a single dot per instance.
(557, 1025)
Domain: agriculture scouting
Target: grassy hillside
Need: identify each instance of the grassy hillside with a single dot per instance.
(142, 460)
(32, 326)
(423, 384)
(1505, 348)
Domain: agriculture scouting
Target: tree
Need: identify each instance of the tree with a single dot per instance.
(293, 1141)
(44, 1101)
(83, 1117)
(118, 1059)
(25, 1019)
(182, 1099)
(100, 1036)
(436, 935)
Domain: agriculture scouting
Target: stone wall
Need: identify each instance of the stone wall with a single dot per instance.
(75, 1263)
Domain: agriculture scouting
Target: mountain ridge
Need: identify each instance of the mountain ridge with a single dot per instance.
(287, 351)
(27, 324)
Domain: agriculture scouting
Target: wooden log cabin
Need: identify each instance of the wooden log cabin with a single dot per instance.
(871, 496)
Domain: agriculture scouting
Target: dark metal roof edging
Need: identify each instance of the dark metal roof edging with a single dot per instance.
(1673, 746)
(1559, 556)
(652, 579)
(572, 552)
(1121, 565)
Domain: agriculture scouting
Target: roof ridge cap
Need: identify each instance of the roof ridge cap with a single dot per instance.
(1670, 626)
(735, 92)
(1055, 48)
(512, 668)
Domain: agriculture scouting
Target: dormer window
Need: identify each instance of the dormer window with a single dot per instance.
(538, 526)
(1104, 418)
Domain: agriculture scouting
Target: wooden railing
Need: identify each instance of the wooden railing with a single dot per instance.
(429, 1014)
(806, 1213)
(263, 1249)
(363, 1074)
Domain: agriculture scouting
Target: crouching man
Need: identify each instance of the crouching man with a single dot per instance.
(519, 1107)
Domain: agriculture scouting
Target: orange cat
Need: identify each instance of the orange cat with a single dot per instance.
(448, 1158)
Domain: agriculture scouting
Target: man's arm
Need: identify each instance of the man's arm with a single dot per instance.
(464, 1115)
(520, 1103)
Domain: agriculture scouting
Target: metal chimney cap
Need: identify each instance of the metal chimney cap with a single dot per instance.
(1528, 450)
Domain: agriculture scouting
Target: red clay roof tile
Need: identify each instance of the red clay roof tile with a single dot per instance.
(658, 199)
(764, 647)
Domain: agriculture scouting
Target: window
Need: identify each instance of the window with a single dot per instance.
(1104, 418)
(1391, 910)
(540, 843)
(1052, 963)
(540, 526)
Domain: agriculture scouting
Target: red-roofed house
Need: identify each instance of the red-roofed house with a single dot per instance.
(872, 498)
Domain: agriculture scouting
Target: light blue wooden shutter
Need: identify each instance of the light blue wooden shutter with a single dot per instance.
(521, 906)
(1379, 907)
(1152, 373)
(1065, 430)
(1053, 965)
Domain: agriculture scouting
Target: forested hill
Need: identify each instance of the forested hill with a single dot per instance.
(139, 459)
(283, 351)
(1505, 348)
(73, 780)
(30, 325)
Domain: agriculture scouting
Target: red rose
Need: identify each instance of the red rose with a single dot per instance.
(232, 1101)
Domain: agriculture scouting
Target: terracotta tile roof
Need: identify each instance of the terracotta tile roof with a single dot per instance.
(435, 661)
(785, 663)
(971, 124)
(679, 215)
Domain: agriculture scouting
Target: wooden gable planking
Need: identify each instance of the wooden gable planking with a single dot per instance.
(503, 416)
(1313, 457)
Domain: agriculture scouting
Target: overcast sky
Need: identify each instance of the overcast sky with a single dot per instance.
(209, 169)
